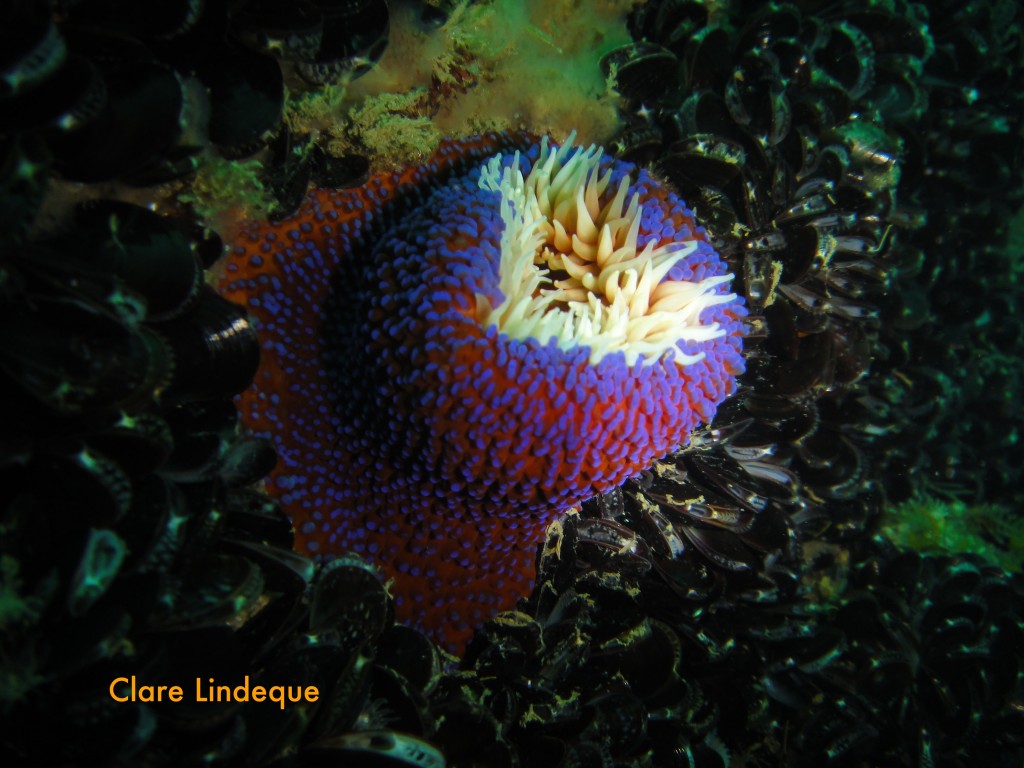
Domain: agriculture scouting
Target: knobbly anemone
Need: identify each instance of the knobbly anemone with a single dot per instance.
(455, 353)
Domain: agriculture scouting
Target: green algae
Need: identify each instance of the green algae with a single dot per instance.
(945, 526)
(229, 188)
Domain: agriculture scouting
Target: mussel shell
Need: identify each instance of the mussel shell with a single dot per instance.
(72, 97)
(102, 557)
(812, 366)
(291, 30)
(411, 655)
(246, 99)
(603, 541)
(247, 461)
(187, 653)
(620, 719)
(760, 104)
(216, 351)
(892, 33)
(707, 57)
(68, 474)
(154, 529)
(43, 84)
(705, 113)
(287, 174)
(406, 706)
(556, 565)
(834, 463)
(467, 730)
(24, 161)
(773, 23)
(73, 357)
(223, 589)
(207, 244)
(833, 737)
(722, 549)
(203, 432)
(311, 660)
(355, 35)
(897, 91)
(349, 599)
(671, 24)
(647, 654)
(286, 574)
(703, 160)
(146, 112)
(643, 72)
(254, 516)
(849, 57)
(504, 645)
(690, 578)
(139, 443)
(160, 20)
(345, 172)
(152, 256)
(32, 48)
(853, 353)
(379, 749)
(639, 144)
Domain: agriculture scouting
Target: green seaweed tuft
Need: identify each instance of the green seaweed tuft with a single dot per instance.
(229, 188)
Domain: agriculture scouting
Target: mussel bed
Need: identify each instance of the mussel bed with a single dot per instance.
(857, 163)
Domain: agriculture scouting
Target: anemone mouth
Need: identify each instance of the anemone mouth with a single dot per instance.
(571, 269)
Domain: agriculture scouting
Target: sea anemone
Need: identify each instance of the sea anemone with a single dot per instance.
(456, 353)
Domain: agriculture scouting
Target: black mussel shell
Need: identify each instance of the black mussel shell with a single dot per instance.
(350, 596)
(288, 173)
(355, 34)
(246, 99)
(147, 252)
(643, 72)
(73, 357)
(372, 749)
(291, 30)
(164, 19)
(24, 162)
(44, 85)
(676, 21)
(411, 655)
(142, 122)
(74, 96)
(216, 350)
(703, 160)
(343, 172)
(706, 58)
(139, 442)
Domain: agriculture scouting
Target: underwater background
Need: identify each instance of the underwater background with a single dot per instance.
(826, 574)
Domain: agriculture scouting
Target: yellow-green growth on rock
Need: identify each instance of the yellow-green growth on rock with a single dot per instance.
(229, 191)
(506, 64)
(929, 524)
